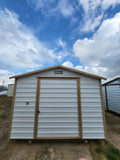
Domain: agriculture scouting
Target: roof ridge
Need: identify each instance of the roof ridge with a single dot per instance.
(57, 66)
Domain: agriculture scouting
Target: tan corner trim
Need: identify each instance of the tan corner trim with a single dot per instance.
(103, 110)
(12, 109)
(106, 98)
(79, 109)
(36, 109)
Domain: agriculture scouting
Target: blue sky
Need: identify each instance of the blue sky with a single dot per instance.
(81, 34)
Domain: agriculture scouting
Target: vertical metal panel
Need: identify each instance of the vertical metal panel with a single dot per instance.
(91, 109)
(48, 118)
(113, 95)
(24, 109)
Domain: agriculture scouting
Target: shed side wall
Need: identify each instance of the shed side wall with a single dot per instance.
(113, 95)
(23, 115)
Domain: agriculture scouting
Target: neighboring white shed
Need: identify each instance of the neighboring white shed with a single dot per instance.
(10, 90)
(57, 103)
(111, 94)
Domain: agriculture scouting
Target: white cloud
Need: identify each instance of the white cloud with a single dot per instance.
(51, 7)
(94, 13)
(91, 23)
(101, 53)
(18, 45)
(4, 77)
(61, 43)
(95, 69)
(63, 50)
(107, 3)
(68, 64)
(66, 8)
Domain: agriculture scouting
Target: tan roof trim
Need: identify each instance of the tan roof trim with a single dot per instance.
(57, 66)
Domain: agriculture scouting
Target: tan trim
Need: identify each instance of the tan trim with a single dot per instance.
(57, 138)
(58, 66)
(37, 107)
(103, 110)
(59, 78)
(106, 98)
(79, 109)
(12, 108)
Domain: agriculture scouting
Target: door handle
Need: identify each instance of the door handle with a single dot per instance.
(38, 111)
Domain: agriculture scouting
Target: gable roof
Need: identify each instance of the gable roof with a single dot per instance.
(58, 66)
(111, 81)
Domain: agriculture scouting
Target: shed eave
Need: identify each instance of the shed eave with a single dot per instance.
(58, 66)
(110, 81)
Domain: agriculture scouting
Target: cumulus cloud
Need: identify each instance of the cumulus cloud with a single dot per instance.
(90, 69)
(18, 45)
(101, 53)
(68, 64)
(4, 77)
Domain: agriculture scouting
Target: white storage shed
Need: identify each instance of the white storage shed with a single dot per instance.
(10, 90)
(57, 103)
(111, 95)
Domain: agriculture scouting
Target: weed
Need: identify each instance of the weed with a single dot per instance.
(98, 150)
(3, 116)
(115, 151)
(111, 156)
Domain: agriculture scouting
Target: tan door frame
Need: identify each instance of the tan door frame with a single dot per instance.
(37, 106)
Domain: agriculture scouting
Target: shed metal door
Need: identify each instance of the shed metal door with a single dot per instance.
(57, 115)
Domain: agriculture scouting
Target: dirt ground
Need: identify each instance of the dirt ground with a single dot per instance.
(113, 129)
(56, 150)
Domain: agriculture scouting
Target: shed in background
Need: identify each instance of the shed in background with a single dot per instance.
(10, 90)
(111, 95)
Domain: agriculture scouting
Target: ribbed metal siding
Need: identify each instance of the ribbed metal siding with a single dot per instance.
(23, 116)
(58, 108)
(10, 90)
(113, 95)
(92, 117)
(104, 97)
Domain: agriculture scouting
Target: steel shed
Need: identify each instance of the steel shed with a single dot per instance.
(10, 90)
(57, 103)
(111, 95)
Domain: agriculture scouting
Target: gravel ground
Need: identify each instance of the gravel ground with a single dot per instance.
(54, 150)
(113, 129)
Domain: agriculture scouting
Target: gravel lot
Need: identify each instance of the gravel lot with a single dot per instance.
(54, 150)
